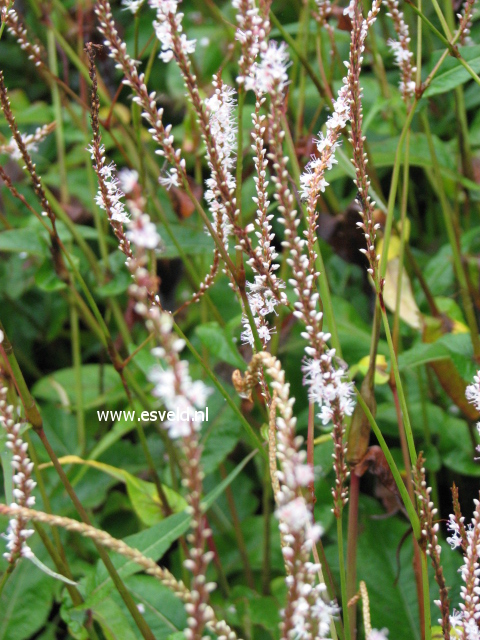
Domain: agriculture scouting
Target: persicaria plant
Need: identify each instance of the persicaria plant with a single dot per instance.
(239, 332)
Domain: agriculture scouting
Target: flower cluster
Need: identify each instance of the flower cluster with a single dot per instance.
(308, 613)
(221, 111)
(327, 385)
(251, 33)
(468, 618)
(109, 198)
(16, 28)
(266, 291)
(23, 485)
(180, 395)
(269, 75)
(169, 25)
(360, 27)
(472, 393)
(133, 6)
(312, 180)
(429, 532)
(173, 384)
(466, 19)
(401, 49)
(30, 141)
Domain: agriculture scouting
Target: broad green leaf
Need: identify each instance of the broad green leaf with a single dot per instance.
(456, 346)
(387, 418)
(115, 623)
(162, 610)
(119, 284)
(221, 441)
(60, 386)
(452, 73)
(193, 241)
(25, 240)
(456, 449)
(143, 495)
(220, 344)
(422, 354)
(25, 602)
(260, 610)
(115, 433)
(383, 152)
(47, 280)
(154, 542)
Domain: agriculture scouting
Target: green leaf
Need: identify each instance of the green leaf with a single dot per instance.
(223, 433)
(60, 386)
(219, 343)
(162, 610)
(46, 278)
(193, 241)
(455, 447)
(119, 284)
(143, 495)
(383, 152)
(453, 73)
(25, 602)
(154, 542)
(422, 354)
(456, 346)
(25, 240)
(114, 621)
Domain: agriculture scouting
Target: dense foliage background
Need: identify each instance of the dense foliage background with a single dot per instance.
(69, 371)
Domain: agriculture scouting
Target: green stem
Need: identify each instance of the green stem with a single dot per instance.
(32, 414)
(403, 240)
(77, 366)
(426, 596)
(441, 17)
(393, 190)
(343, 583)
(57, 110)
(409, 507)
(291, 43)
(448, 217)
(401, 394)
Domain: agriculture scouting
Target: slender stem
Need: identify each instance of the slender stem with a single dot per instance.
(267, 512)
(343, 583)
(242, 547)
(426, 597)
(57, 109)
(77, 365)
(452, 237)
(117, 581)
(291, 43)
(409, 507)
(393, 189)
(401, 395)
(352, 548)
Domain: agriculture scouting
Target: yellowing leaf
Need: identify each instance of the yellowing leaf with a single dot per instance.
(143, 495)
(381, 366)
(409, 311)
(394, 244)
